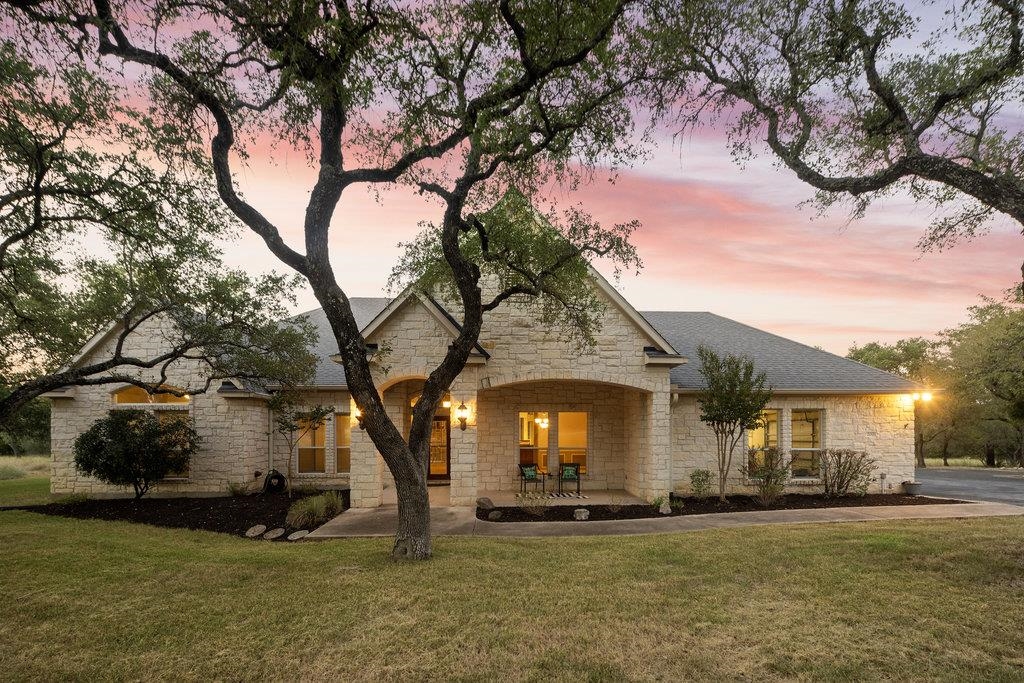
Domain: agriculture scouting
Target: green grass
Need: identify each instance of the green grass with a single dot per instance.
(26, 491)
(921, 600)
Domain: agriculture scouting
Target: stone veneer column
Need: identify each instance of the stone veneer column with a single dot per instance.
(463, 445)
(659, 438)
(365, 479)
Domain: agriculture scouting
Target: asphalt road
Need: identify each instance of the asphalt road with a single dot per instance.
(997, 486)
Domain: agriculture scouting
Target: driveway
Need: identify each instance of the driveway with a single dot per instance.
(997, 486)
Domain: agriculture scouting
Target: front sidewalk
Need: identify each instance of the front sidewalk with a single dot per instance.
(462, 521)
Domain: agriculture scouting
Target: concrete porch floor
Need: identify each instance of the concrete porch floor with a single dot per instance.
(440, 497)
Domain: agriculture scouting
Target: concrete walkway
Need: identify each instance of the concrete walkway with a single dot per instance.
(462, 521)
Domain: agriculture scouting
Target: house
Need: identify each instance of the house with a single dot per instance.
(624, 409)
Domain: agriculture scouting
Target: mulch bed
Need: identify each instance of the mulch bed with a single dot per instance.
(227, 514)
(703, 506)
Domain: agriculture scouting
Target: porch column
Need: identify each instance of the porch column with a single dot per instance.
(463, 490)
(659, 444)
(365, 479)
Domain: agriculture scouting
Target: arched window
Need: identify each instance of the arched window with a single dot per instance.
(137, 395)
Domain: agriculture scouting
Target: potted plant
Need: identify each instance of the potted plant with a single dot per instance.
(912, 488)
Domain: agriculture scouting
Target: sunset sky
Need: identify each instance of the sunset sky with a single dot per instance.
(715, 237)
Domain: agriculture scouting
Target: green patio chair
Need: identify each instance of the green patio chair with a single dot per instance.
(531, 474)
(569, 472)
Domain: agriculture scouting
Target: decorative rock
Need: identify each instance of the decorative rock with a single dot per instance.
(485, 503)
(255, 531)
(665, 508)
(296, 535)
(274, 533)
(581, 514)
(494, 515)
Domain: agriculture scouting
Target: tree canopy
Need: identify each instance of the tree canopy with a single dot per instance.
(119, 232)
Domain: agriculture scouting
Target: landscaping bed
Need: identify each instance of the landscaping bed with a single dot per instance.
(702, 506)
(224, 514)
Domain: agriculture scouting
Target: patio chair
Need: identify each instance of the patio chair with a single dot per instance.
(531, 474)
(569, 472)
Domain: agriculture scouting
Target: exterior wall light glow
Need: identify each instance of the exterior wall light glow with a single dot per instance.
(462, 414)
(359, 417)
(926, 396)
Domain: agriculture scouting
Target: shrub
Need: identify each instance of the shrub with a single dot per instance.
(657, 502)
(533, 503)
(700, 483)
(132, 447)
(845, 471)
(315, 510)
(11, 472)
(614, 505)
(768, 474)
(237, 489)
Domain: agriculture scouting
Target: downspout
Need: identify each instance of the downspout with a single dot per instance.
(270, 439)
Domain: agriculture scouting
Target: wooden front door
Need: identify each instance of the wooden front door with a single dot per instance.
(439, 466)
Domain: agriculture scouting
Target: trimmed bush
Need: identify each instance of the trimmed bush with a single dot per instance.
(133, 447)
(845, 472)
(700, 483)
(315, 510)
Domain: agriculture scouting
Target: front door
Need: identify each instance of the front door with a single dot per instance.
(440, 449)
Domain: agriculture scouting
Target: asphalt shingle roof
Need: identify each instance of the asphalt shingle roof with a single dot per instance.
(789, 365)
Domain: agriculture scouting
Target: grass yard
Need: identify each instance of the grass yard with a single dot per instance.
(111, 600)
(24, 480)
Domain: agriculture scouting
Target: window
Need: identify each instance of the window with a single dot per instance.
(807, 440)
(137, 395)
(311, 448)
(765, 436)
(533, 440)
(342, 443)
(573, 439)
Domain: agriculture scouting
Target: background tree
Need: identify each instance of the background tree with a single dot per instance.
(28, 430)
(133, 447)
(860, 98)
(293, 420)
(731, 402)
(459, 100)
(92, 235)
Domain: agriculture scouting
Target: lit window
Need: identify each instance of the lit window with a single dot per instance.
(533, 440)
(137, 395)
(765, 436)
(311, 448)
(807, 440)
(573, 440)
(343, 443)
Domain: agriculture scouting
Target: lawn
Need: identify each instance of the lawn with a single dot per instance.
(112, 600)
(955, 462)
(24, 480)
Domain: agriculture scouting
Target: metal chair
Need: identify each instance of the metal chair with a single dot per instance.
(531, 474)
(569, 472)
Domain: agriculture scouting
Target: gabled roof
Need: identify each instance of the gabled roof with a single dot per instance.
(791, 367)
(329, 373)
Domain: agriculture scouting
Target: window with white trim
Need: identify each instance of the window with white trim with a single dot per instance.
(765, 436)
(808, 437)
(311, 447)
(342, 443)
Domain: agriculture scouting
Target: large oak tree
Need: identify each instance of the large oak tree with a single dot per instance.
(459, 100)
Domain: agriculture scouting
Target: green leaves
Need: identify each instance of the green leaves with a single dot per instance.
(734, 394)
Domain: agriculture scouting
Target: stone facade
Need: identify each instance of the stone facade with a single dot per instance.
(642, 437)
(882, 425)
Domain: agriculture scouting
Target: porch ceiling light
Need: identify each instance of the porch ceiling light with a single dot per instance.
(462, 414)
(542, 422)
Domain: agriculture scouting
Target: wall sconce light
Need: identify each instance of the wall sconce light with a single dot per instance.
(446, 402)
(358, 414)
(926, 396)
(462, 414)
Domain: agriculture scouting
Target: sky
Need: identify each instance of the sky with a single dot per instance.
(713, 237)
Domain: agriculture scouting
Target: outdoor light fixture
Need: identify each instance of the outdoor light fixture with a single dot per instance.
(462, 414)
(359, 417)
(542, 422)
(446, 402)
(926, 396)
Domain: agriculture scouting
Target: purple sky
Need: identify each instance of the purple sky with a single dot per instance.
(715, 237)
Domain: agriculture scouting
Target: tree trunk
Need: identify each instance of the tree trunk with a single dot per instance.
(919, 446)
(945, 452)
(412, 541)
(990, 455)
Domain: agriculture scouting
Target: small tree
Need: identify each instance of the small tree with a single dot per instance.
(768, 472)
(134, 447)
(731, 402)
(294, 420)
